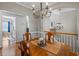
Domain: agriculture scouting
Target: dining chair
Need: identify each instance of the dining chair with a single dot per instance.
(27, 36)
(24, 48)
(49, 37)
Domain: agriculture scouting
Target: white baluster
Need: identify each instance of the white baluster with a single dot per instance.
(72, 43)
(64, 39)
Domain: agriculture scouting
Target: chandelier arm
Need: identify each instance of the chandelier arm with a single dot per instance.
(41, 6)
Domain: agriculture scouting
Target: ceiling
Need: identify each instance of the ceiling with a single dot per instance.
(64, 6)
(37, 4)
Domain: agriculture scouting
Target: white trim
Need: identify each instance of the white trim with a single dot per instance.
(11, 12)
(23, 5)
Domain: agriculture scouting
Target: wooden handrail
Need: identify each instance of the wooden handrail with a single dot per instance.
(63, 33)
(66, 33)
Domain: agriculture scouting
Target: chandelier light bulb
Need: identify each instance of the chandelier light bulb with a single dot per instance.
(50, 9)
(46, 3)
(33, 11)
(33, 5)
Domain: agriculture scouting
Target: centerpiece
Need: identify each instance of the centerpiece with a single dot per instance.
(41, 42)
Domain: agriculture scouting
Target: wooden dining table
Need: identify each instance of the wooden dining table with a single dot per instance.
(51, 49)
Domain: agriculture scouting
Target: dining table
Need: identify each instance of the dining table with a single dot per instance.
(50, 49)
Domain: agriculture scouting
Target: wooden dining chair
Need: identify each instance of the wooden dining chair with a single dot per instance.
(24, 48)
(20, 46)
(48, 36)
(27, 36)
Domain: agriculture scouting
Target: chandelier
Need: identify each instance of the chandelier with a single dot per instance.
(42, 12)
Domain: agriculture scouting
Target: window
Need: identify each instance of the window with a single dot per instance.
(5, 26)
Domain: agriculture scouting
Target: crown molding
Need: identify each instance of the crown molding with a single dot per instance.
(5, 11)
(23, 5)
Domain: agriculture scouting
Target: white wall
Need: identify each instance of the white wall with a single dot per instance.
(68, 19)
(20, 27)
(0, 33)
(21, 24)
(47, 21)
(78, 25)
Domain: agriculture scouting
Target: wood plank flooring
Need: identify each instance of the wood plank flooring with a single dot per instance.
(35, 51)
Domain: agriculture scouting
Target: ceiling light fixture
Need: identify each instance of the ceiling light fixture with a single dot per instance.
(42, 12)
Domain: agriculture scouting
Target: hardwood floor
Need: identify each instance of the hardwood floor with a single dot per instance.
(56, 48)
(35, 51)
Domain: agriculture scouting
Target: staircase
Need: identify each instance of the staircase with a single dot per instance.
(69, 39)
